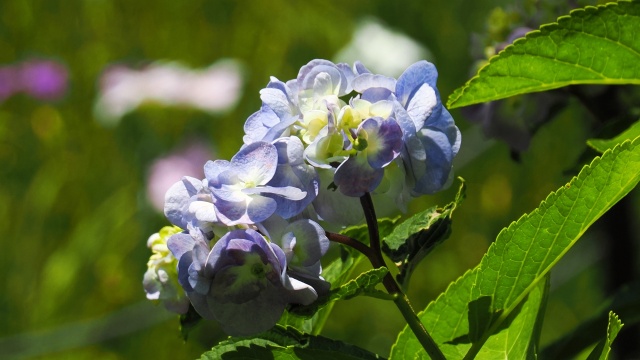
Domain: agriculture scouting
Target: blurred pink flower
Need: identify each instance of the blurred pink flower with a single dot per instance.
(44, 79)
(38, 78)
(166, 171)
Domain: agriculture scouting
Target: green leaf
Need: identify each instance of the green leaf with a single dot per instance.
(603, 145)
(479, 303)
(520, 332)
(602, 350)
(412, 240)
(337, 273)
(282, 343)
(364, 284)
(594, 45)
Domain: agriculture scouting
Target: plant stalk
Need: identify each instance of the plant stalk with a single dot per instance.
(392, 287)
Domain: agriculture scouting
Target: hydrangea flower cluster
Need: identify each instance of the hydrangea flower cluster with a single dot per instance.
(252, 241)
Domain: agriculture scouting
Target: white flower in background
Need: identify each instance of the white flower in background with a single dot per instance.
(214, 89)
(385, 51)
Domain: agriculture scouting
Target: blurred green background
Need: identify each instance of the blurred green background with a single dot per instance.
(74, 211)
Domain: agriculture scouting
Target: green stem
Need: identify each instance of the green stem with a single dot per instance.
(392, 287)
(427, 342)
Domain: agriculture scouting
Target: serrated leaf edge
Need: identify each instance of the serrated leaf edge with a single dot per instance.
(544, 29)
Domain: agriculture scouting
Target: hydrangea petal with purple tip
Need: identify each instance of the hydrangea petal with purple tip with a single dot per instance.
(384, 139)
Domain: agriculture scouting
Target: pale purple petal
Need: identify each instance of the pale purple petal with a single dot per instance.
(368, 81)
(177, 199)
(259, 124)
(256, 161)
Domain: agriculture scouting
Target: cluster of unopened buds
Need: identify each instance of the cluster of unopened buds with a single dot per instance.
(248, 239)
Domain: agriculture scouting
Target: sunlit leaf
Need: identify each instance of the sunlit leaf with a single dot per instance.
(286, 344)
(603, 349)
(519, 333)
(479, 303)
(413, 239)
(594, 45)
(602, 145)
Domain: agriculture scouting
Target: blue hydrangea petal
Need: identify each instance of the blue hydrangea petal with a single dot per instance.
(304, 243)
(180, 243)
(363, 82)
(259, 124)
(348, 75)
(278, 102)
(355, 176)
(293, 172)
(451, 130)
(359, 68)
(403, 119)
(184, 263)
(260, 208)
(422, 72)
(212, 170)
(256, 209)
(340, 76)
(177, 198)
(300, 292)
(421, 105)
(228, 190)
(203, 211)
(319, 285)
(439, 158)
(256, 162)
(376, 94)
